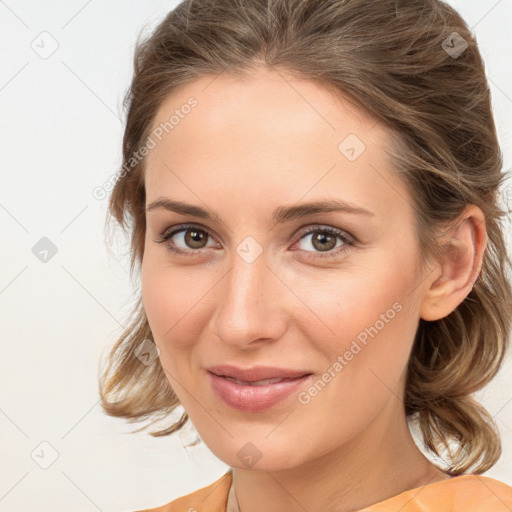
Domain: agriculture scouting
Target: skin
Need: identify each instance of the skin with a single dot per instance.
(249, 147)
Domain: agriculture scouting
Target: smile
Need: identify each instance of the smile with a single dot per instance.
(254, 396)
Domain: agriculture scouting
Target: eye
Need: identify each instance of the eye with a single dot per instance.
(317, 242)
(325, 241)
(182, 238)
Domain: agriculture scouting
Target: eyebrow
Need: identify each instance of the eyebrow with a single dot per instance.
(280, 215)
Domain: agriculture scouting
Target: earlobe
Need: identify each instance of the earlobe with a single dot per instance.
(459, 264)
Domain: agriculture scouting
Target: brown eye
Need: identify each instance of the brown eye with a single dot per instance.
(195, 238)
(323, 241)
(187, 240)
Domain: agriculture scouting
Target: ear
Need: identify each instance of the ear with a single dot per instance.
(459, 266)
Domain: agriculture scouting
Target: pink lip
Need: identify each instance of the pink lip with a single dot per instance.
(256, 373)
(254, 398)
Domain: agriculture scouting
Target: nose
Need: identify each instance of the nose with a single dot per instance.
(251, 304)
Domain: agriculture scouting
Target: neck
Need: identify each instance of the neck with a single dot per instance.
(379, 463)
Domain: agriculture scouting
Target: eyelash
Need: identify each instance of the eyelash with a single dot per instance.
(348, 240)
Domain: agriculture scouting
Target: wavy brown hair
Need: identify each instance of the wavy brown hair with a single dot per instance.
(397, 60)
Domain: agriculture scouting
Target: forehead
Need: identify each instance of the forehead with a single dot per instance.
(270, 137)
(265, 103)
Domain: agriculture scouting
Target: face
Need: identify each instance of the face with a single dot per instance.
(262, 281)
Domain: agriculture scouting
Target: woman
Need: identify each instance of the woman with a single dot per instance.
(310, 188)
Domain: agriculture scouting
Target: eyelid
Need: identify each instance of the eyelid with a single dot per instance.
(183, 227)
(347, 239)
(313, 228)
(307, 229)
(174, 230)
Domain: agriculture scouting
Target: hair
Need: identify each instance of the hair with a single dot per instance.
(391, 58)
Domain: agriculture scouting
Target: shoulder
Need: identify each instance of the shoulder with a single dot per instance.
(466, 493)
(478, 493)
(212, 498)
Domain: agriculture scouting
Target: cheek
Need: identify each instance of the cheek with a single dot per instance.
(361, 305)
(372, 319)
(168, 295)
(166, 302)
(159, 300)
(365, 369)
(175, 301)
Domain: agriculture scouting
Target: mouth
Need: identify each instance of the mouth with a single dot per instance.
(254, 395)
(256, 373)
(257, 382)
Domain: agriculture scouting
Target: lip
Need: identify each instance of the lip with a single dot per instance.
(256, 373)
(255, 397)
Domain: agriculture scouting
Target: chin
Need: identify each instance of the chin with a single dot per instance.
(258, 455)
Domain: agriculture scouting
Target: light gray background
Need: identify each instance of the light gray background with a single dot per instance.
(61, 130)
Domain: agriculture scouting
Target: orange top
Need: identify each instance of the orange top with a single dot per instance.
(465, 493)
